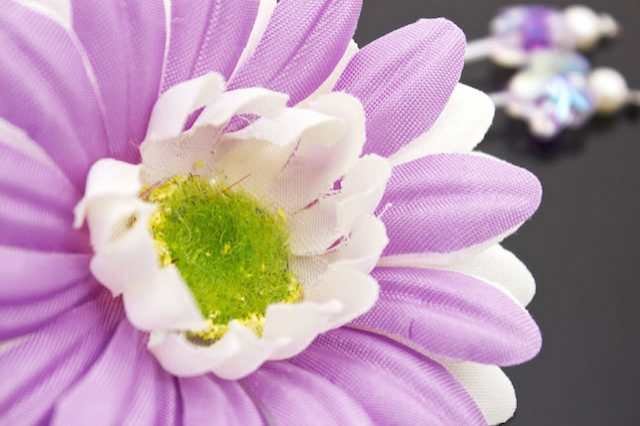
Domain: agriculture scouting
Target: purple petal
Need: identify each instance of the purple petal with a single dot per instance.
(33, 214)
(110, 380)
(125, 43)
(394, 384)
(154, 399)
(31, 275)
(301, 46)
(46, 91)
(40, 367)
(23, 173)
(443, 203)
(207, 35)
(24, 224)
(17, 319)
(296, 396)
(166, 404)
(207, 398)
(404, 80)
(114, 380)
(452, 314)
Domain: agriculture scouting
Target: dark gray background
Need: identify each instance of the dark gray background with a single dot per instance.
(582, 245)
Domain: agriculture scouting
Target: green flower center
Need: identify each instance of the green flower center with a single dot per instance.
(231, 251)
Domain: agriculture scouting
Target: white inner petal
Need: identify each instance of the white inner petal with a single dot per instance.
(254, 100)
(360, 250)
(173, 108)
(163, 303)
(257, 154)
(319, 227)
(290, 159)
(324, 154)
(489, 387)
(108, 177)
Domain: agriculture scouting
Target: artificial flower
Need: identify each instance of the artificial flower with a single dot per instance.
(224, 211)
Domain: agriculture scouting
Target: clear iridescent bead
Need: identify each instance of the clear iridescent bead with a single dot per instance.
(519, 30)
(552, 94)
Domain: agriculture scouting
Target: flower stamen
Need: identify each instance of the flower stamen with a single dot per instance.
(231, 251)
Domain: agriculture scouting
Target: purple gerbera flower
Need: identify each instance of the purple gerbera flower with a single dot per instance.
(225, 212)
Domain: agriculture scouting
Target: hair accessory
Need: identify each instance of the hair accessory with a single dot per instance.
(518, 31)
(559, 90)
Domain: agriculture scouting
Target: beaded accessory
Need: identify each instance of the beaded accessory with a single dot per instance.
(559, 90)
(519, 31)
(556, 88)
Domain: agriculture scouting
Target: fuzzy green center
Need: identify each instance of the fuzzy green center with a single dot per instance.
(231, 251)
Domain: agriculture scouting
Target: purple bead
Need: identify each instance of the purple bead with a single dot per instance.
(519, 30)
(535, 27)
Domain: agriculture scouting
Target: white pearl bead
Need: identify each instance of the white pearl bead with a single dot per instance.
(609, 88)
(584, 24)
(608, 26)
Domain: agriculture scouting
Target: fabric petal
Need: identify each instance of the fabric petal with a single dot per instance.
(489, 387)
(124, 251)
(493, 265)
(175, 106)
(40, 367)
(125, 45)
(238, 353)
(297, 324)
(206, 36)
(29, 275)
(13, 139)
(322, 157)
(206, 398)
(107, 393)
(421, 62)
(17, 319)
(363, 247)
(316, 229)
(357, 292)
(502, 268)
(265, 11)
(32, 214)
(251, 101)
(23, 224)
(107, 177)
(448, 202)
(46, 90)
(301, 46)
(394, 384)
(295, 396)
(336, 298)
(59, 10)
(256, 155)
(111, 381)
(201, 149)
(330, 82)
(155, 400)
(460, 127)
(162, 303)
(360, 250)
(452, 315)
